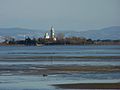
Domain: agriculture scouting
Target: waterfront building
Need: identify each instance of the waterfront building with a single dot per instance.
(46, 36)
(52, 34)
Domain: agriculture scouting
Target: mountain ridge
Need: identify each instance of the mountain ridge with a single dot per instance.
(104, 33)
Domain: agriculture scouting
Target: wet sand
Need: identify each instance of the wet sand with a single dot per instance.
(64, 67)
(61, 58)
(89, 86)
(53, 69)
(46, 70)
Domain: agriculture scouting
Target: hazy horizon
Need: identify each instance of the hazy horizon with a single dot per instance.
(48, 28)
(67, 15)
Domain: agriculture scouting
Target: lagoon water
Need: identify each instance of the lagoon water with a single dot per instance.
(27, 56)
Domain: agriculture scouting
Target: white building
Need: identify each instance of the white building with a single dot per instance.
(46, 36)
(52, 34)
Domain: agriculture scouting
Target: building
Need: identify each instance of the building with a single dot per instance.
(46, 36)
(52, 34)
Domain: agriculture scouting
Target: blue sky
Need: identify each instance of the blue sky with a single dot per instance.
(62, 14)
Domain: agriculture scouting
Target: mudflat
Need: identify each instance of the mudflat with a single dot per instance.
(53, 69)
(89, 86)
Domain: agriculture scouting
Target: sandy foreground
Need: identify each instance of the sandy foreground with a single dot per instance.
(46, 70)
(89, 86)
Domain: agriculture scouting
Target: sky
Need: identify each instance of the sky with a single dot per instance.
(76, 15)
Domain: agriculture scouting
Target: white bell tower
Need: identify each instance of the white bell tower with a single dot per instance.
(52, 33)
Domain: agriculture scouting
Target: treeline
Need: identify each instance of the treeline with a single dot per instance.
(60, 41)
(107, 42)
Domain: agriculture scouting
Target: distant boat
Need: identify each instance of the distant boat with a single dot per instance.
(39, 45)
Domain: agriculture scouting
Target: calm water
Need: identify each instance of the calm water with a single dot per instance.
(57, 55)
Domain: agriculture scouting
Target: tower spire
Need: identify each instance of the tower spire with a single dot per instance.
(52, 33)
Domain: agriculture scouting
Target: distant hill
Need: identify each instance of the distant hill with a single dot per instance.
(112, 33)
(105, 33)
(20, 32)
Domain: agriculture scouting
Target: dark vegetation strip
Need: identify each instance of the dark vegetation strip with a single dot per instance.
(89, 86)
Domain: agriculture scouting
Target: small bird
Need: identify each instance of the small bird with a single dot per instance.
(45, 75)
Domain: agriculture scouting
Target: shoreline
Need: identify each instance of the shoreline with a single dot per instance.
(88, 86)
(59, 45)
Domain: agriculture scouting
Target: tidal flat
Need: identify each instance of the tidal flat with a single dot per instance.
(59, 67)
